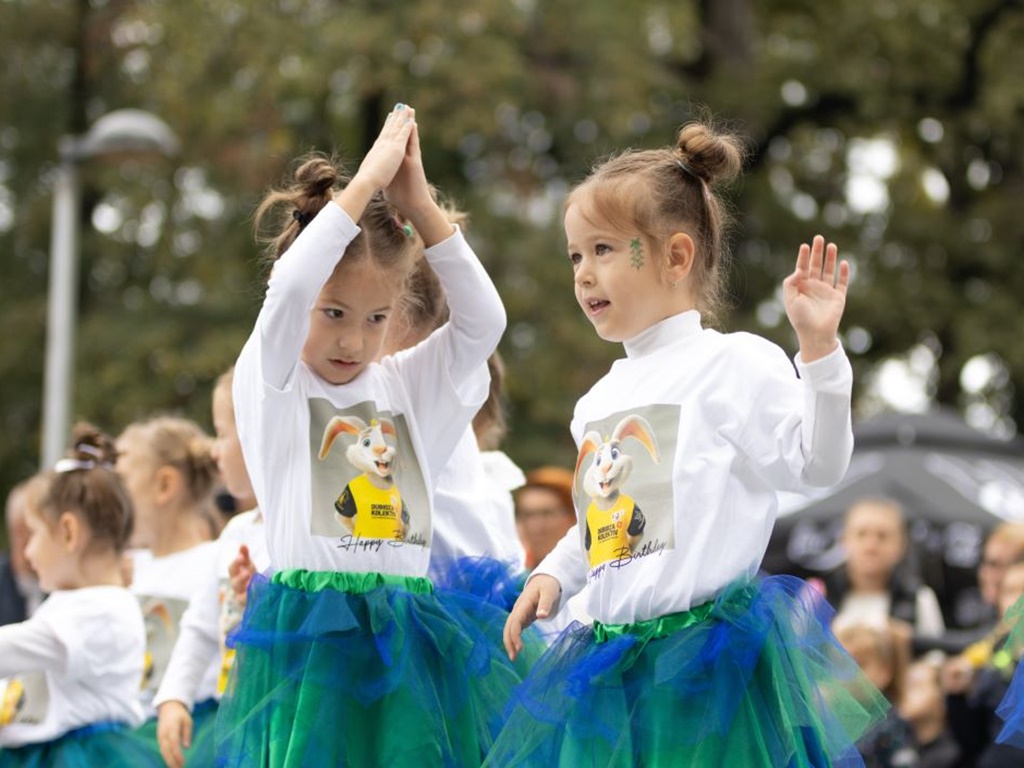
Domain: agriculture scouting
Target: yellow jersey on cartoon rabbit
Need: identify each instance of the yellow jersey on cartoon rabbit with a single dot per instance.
(614, 524)
(362, 462)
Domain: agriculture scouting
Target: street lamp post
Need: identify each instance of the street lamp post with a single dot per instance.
(124, 130)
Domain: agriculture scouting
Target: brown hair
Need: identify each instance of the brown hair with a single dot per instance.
(1012, 534)
(489, 423)
(663, 191)
(889, 644)
(558, 480)
(383, 236)
(182, 444)
(884, 502)
(85, 484)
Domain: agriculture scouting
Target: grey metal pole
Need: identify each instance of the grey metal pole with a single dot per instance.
(61, 307)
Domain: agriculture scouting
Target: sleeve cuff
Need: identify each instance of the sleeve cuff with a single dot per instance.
(831, 373)
(451, 246)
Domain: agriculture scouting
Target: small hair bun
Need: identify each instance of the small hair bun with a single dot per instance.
(708, 155)
(91, 444)
(317, 177)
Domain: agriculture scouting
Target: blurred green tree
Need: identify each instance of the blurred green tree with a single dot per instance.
(894, 129)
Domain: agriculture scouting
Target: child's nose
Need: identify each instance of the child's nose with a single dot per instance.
(351, 342)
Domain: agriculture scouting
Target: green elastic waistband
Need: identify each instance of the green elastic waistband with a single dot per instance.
(352, 583)
(651, 629)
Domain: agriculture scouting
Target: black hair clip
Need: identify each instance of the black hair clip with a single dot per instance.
(302, 218)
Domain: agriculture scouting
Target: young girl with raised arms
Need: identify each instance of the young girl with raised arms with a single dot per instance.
(71, 693)
(213, 610)
(345, 656)
(682, 448)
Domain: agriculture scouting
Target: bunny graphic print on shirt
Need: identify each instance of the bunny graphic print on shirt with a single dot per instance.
(368, 487)
(623, 486)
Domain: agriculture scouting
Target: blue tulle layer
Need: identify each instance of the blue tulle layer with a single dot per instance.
(363, 670)
(755, 678)
(100, 744)
(493, 581)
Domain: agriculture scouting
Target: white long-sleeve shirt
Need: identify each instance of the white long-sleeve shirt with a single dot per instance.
(211, 614)
(428, 393)
(77, 661)
(474, 509)
(728, 424)
(164, 586)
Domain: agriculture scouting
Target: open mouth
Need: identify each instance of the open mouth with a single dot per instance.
(594, 306)
(383, 467)
(605, 485)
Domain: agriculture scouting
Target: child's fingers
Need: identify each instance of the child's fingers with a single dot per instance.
(186, 734)
(511, 636)
(544, 604)
(803, 261)
(817, 256)
(843, 281)
(828, 270)
(170, 746)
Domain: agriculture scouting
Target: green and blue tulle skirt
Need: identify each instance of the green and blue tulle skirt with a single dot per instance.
(100, 744)
(754, 678)
(363, 669)
(1011, 708)
(202, 753)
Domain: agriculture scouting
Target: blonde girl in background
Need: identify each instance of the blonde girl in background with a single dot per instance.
(167, 465)
(345, 655)
(683, 447)
(72, 671)
(213, 610)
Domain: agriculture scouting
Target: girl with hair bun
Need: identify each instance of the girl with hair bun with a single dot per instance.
(682, 447)
(346, 655)
(167, 465)
(71, 672)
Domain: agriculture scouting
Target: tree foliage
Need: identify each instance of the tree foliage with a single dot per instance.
(893, 128)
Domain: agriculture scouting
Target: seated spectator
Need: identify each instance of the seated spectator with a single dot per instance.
(544, 511)
(1003, 547)
(923, 706)
(883, 653)
(872, 585)
(974, 691)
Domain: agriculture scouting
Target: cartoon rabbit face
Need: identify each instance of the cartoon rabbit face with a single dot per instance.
(608, 472)
(611, 466)
(370, 453)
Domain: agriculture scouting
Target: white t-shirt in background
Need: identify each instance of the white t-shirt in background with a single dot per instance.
(77, 661)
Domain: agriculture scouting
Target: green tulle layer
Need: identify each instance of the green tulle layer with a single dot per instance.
(360, 670)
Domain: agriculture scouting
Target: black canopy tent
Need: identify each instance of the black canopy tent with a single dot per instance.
(954, 482)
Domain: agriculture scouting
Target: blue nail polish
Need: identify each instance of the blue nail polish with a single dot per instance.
(399, 106)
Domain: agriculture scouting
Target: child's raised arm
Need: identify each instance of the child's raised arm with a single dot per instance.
(815, 296)
(385, 158)
(410, 193)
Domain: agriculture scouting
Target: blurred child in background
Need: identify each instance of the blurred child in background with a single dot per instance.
(167, 466)
(72, 670)
(184, 738)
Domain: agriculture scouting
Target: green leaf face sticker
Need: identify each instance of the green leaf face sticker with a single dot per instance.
(636, 260)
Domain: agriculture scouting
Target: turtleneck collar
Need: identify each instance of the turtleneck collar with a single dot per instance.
(668, 331)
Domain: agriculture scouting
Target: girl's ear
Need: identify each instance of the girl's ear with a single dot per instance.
(167, 484)
(680, 253)
(70, 531)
